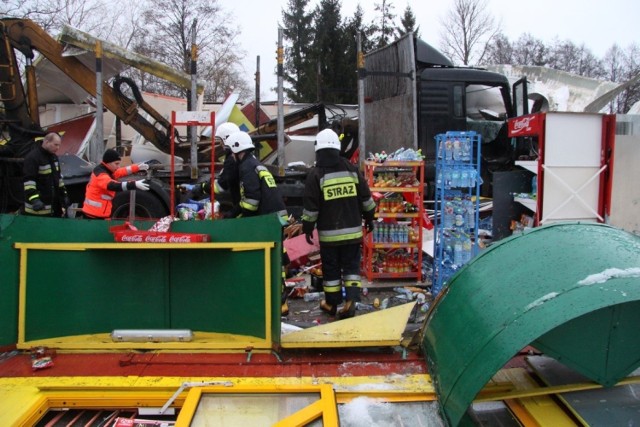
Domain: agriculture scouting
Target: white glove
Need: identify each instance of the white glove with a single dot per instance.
(143, 166)
(141, 185)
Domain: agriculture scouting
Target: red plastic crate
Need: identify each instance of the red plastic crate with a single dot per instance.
(127, 233)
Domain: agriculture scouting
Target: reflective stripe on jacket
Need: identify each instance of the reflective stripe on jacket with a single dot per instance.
(259, 194)
(102, 188)
(336, 199)
(43, 180)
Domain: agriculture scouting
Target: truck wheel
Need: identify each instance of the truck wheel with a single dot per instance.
(148, 205)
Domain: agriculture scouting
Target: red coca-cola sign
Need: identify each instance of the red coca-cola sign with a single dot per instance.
(528, 125)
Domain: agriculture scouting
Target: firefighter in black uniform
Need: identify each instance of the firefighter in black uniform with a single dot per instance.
(336, 200)
(44, 190)
(259, 194)
(228, 177)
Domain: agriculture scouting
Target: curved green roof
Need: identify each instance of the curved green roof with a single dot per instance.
(570, 290)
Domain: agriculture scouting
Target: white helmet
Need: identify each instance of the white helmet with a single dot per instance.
(225, 129)
(240, 141)
(327, 139)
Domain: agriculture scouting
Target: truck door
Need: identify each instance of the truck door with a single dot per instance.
(520, 97)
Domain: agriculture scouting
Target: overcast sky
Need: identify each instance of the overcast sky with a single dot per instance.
(598, 27)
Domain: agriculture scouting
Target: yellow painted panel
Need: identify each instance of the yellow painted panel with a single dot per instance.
(201, 341)
(379, 328)
(544, 408)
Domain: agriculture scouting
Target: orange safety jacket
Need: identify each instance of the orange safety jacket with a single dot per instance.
(102, 188)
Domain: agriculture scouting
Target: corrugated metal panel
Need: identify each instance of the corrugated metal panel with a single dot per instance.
(542, 287)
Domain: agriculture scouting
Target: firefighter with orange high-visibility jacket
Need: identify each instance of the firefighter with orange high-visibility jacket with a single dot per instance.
(336, 200)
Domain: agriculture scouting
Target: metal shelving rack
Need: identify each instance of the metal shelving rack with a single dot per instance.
(392, 256)
(457, 204)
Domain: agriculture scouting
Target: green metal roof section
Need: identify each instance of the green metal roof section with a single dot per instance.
(570, 290)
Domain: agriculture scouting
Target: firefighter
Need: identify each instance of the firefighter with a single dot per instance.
(259, 194)
(228, 178)
(336, 200)
(103, 185)
(44, 190)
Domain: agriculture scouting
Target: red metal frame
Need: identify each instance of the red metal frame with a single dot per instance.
(606, 158)
(414, 194)
(175, 123)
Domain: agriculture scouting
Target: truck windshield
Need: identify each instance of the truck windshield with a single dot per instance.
(485, 110)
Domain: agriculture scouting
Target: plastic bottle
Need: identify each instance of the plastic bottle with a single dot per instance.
(448, 150)
(363, 306)
(466, 249)
(457, 150)
(455, 178)
(470, 213)
(448, 215)
(424, 307)
(464, 178)
(459, 216)
(473, 175)
(457, 253)
(313, 296)
(406, 292)
(466, 150)
(447, 179)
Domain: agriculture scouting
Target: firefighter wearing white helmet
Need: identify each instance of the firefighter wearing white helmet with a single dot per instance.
(224, 130)
(327, 139)
(336, 200)
(259, 194)
(239, 142)
(227, 180)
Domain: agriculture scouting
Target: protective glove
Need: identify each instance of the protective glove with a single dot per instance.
(368, 225)
(307, 229)
(66, 201)
(143, 166)
(196, 191)
(37, 205)
(141, 185)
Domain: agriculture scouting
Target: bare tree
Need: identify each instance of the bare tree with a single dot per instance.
(86, 15)
(528, 50)
(169, 24)
(567, 56)
(467, 31)
(622, 65)
(500, 51)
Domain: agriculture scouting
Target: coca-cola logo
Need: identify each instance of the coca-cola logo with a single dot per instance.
(135, 238)
(156, 239)
(180, 239)
(522, 124)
